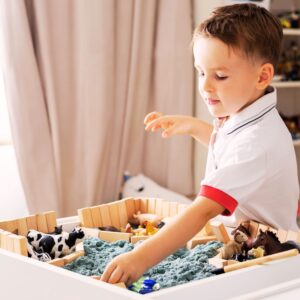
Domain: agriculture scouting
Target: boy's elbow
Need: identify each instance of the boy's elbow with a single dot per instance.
(208, 208)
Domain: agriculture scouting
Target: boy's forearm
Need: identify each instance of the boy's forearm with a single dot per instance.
(174, 235)
(202, 131)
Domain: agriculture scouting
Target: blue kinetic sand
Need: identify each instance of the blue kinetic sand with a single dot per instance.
(181, 267)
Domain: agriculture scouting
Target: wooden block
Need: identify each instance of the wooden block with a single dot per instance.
(70, 257)
(85, 217)
(291, 236)
(114, 215)
(10, 225)
(220, 231)
(9, 243)
(165, 209)
(122, 210)
(144, 205)
(173, 209)
(151, 205)
(3, 235)
(110, 236)
(59, 262)
(207, 229)
(22, 226)
(41, 223)
(182, 207)
(96, 216)
(136, 238)
(20, 244)
(130, 207)
(200, 240)
(31, 222)
(158, 206)
(51, 220)
(137, 204)
(281, 234)
(253, 229)
(105, 215)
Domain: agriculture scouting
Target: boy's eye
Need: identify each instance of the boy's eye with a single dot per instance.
(221, 77)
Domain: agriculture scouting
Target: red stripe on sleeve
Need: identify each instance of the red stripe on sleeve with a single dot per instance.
(219, 196)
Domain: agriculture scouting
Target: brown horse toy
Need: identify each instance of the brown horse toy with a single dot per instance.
(270, 242)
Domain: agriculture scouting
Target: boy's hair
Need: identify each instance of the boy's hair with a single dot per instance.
(247, 27)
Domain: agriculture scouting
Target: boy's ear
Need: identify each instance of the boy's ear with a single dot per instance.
(266, 73)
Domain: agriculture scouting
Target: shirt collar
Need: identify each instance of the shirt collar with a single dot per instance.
(252, 113)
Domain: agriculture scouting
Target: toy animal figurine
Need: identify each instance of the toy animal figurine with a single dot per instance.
(256, 252)
(56, 245)
(36, 255)
(144, 286)
(247, 245)
(140, 219)
(234, 247)
(271, 243)
(109, 228)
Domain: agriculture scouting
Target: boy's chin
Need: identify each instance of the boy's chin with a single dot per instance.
(217, 114)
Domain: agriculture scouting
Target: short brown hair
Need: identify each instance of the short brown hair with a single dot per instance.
(246, 27)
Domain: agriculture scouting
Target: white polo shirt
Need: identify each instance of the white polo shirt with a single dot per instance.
(251, 168)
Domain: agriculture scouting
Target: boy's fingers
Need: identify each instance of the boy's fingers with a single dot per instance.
(168, 132)
(124, 278)
(116, 275)
(107, 272)
(152, 116)
(161, 122)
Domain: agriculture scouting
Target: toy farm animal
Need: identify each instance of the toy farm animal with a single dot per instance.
(235, 246)
(270, 242)
(140, 219)
(56, 245)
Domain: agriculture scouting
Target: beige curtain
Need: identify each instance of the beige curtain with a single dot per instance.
(79, 78)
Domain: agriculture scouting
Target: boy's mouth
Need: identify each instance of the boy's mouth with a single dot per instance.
(211, 101)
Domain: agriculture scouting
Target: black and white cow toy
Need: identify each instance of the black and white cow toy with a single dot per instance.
(53, 245)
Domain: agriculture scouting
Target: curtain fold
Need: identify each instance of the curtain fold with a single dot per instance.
(79, 78)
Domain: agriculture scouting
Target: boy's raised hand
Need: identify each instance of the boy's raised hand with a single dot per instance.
(171, 124)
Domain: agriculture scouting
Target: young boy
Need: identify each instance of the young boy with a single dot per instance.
(251, 169)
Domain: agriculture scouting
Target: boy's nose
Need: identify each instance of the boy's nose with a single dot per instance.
(206, 85)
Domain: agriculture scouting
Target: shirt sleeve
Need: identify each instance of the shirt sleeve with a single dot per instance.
(240, 172)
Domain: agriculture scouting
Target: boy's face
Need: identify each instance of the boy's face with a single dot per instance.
(227, 80)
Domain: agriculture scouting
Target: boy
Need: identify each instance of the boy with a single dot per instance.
(251, 169)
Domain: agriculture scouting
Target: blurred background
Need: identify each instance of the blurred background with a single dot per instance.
(78, 78)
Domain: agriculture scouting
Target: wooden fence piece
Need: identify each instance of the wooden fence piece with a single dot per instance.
(85, 217)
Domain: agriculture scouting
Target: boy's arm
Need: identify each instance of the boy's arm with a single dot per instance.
(177, 124)
(130, 266)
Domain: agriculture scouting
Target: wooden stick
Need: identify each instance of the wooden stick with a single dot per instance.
(257, 261)
(42, 223)
(85, 217)
(122, 209)
(151, 205)
(31, 222)
(22, 226)
(96, 216)
(51, 220)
